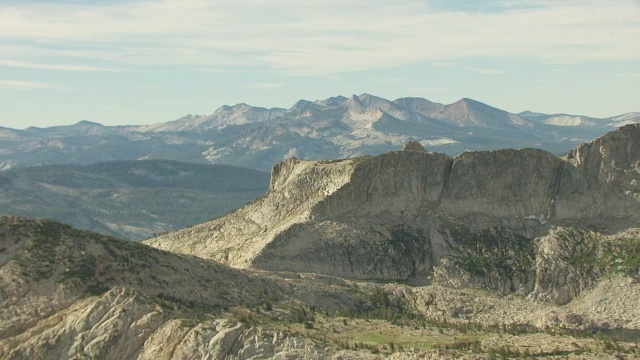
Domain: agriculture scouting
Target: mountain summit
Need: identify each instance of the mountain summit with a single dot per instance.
(336, 127)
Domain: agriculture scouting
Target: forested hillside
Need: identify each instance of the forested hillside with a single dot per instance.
(129, 199)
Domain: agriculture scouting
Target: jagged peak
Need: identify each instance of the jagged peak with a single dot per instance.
(353, 103)
(629, 128)
(626, 139)
(238, 107)
(420, 105)
(190, 117)
(242, 106)
(367, 102)
(405, 100)
(300, 104)
(375, 101)
(223, 108)
(465, 102)
(470, 102)
(332, 101)
(627, 131)
(413, 146)
(354, 99)
(365, 97)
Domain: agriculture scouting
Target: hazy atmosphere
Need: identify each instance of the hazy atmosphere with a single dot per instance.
(319, 179)
(141, 62)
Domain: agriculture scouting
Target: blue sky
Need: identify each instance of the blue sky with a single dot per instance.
(139, 62)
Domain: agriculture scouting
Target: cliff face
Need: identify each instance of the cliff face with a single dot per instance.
(476, 219)
(124, 324)
(606, 177)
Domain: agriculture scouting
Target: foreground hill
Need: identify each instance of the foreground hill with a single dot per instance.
(66, 293)
(521, 221)
(129, 199)
(336, 127)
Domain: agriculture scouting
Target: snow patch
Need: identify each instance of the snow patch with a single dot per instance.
(438, 142)
(618, 124)
(541, 218)
(568, 120)
(6, 165)
(212, 154)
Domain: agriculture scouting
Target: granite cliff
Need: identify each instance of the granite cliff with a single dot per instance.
(497, 219)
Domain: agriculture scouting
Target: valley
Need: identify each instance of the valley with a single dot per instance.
(129, 199)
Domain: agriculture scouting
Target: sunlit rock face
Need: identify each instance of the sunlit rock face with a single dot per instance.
(480, 218)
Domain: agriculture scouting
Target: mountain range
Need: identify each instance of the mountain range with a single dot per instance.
(337, 127)
(405, 255)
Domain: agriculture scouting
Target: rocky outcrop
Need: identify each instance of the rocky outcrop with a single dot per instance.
(477, 219)
(413, 146)
(66, 293)
(125, 324)
(605, 176)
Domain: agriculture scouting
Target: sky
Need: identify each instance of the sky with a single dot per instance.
(120, 62)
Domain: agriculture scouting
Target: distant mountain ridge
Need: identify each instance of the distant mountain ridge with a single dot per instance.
(336, 127)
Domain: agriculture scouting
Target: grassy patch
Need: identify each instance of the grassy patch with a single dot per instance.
(497, 252)
(592, 254)
(622, 255)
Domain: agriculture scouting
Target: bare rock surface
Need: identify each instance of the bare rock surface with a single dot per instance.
(66, 293)
(487, 219)
(413, 146)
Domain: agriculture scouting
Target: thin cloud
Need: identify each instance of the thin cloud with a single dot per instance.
(339, 37)
(63, 67)
(29, 85)
(444, 64)
(225, 71)
(488, 71)
(390, 81)
(266, 86)
(150, 86)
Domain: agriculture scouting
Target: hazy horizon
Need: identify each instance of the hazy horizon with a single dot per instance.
(134, 62)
